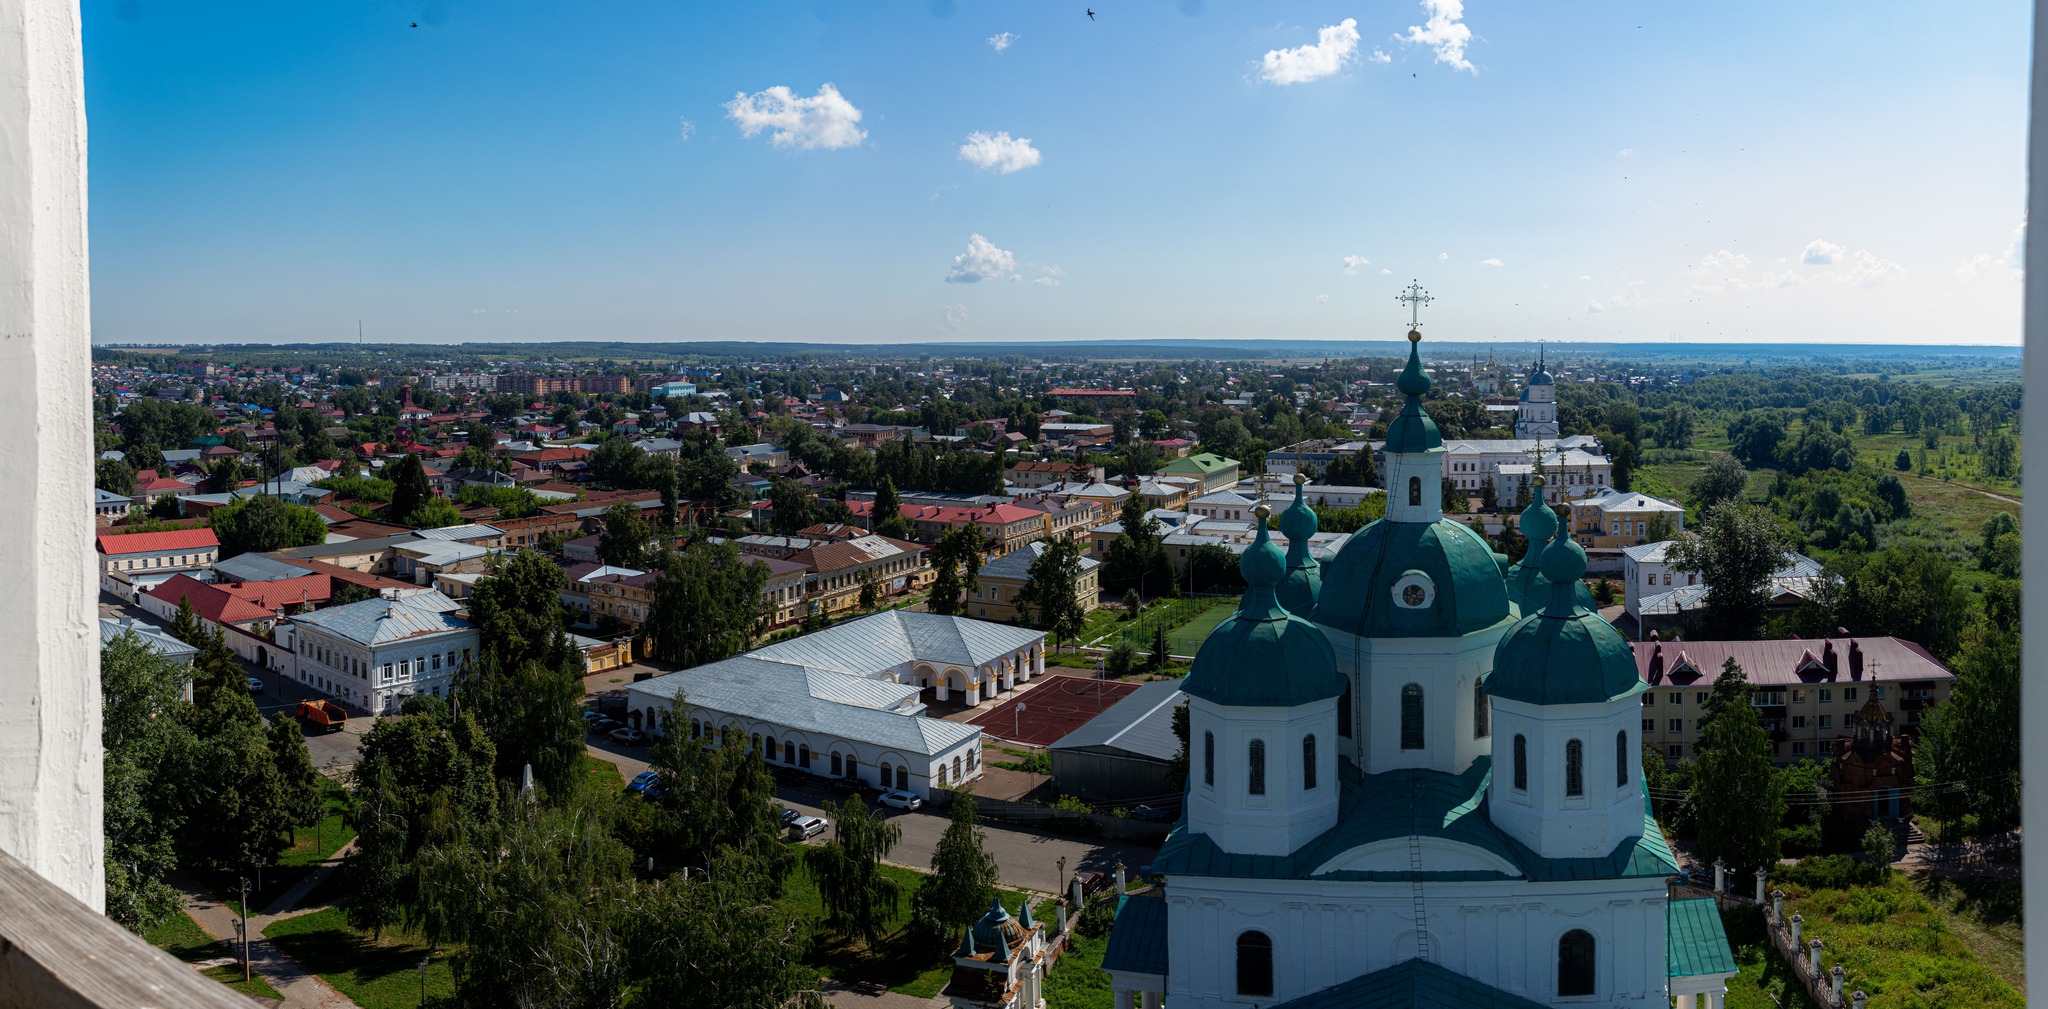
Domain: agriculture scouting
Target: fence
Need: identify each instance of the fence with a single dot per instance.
(1167, 613)
(1030, 814)
(1804, 955)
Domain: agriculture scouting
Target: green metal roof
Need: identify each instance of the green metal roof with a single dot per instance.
(1137, 943)
(1358, 584)
(1695, 942)
(1429, 803)
(1199, 464)
(1412, 430)
(1566, 654)
(1411, 984)
(1262, 656)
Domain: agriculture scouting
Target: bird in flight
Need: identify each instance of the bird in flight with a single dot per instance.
(1091, 13)
(415, 24)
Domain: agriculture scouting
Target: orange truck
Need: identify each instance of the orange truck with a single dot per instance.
(323, 713)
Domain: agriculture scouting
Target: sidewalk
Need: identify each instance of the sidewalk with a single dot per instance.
(300, 989)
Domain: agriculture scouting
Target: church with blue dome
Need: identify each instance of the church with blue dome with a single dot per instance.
(1414, 779)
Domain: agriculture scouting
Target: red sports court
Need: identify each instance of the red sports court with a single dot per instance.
(1057, 706)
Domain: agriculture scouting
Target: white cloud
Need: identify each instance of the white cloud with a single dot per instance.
(1443, 257)
(1868, 270)
(982, 261)
(1820, 252)
(1352, 264)
(1378, 56)
(1445, 32)
(1386, 272)
(1001, 41)
(1492, 261)
(952, 317)
(2012, 261)
(1626, 152)
(1594, 307)
(1322, 299)
(686, 127)
(479, 311)
(1585, 276)
(1049, 276)
(825, 119)
(1725, 260)
(999, 151)
(1335, 46)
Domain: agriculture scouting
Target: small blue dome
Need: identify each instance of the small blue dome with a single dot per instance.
(1262, 656)
(1304, 579)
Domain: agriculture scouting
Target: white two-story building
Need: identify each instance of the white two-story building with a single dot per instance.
(376, 653)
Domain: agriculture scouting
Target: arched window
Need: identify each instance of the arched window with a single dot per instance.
(1255, 964)
(835, 765)
(1344, 711)
(1209, 759)
(803, 755)
(1256, 763)
(1411, 717)
(1521, 763)
(1308, 762)
(1414, 492)
(1621, 759)
(1574, 768)
(940, 777)
(754, 741)
(888, 774)
(1482, 712)
(956, 769)
(852, 766)
(903, 777)
(696, 729)
(1575, 963)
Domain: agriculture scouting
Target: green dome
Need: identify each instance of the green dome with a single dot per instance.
(1262, 656)
(1304, 581)
(1412, 430)
(1463, 591)
(1566, 654)
(1526, 585)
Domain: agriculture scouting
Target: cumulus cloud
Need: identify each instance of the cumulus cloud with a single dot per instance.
(1820, 252)
(1445, 31)
(1378, 56)
(982, 261)
(685, 127)
(952, 317)
(1594, 307)
(1386, 272)
(1322, 299)
(825, 119)
(1443, 257)
(1335, 46)
(2012, 262)
(1866, 269)
(1049, 276)
(999, 151)
(1492, 261)
(1725, 260)
(1001, 41)
(1352, 264)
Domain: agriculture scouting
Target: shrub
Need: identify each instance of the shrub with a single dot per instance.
(1097, 918)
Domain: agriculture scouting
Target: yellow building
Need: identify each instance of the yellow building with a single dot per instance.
(1614, 518)
(1000, 581)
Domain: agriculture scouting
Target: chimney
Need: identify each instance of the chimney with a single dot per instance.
(1656, 663)
(1855, 660)
(1829, 659)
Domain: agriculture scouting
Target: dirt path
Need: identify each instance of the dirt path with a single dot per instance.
(1967, 487)
(300, 989)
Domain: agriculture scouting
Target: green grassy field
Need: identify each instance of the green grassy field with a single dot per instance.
(182, 937)
(1188, 637)
(1077, 980)
(1766, 981)
(1913, 944)
(895, 962)
(310, 847)
(376, 975)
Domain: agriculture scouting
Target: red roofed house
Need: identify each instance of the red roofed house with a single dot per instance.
(1806, 692)
(150, 485)
(137, 561)
(1007, 526)
(242, 611)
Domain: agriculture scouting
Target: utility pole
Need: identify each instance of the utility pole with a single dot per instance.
(243, 927)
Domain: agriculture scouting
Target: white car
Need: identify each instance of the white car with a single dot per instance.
(900, 800)
(805, 827)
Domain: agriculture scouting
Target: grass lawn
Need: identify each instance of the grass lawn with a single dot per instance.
(894, 963)
(182, 937)
(1913, 944)
(1077, 980)
(1766, 981)
(1169, 613)
(376, 975)
(1188, 637)
(310, 846)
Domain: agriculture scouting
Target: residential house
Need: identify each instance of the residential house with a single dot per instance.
(835, 571)
(1041, 474)
(376, 653)
(1614, 519)
(1213, 471)
(136, 562)
(1001, 581)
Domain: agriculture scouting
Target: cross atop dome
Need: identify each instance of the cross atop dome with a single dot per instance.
(1414, 297)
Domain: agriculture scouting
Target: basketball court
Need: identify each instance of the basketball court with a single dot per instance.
(1054, 707)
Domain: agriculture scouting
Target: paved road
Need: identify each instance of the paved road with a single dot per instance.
(1027, 858)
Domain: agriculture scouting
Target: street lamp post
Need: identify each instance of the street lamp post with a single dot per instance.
(242, 926)
(423, 980)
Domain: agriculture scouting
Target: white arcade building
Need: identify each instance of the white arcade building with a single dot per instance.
(1349, 838)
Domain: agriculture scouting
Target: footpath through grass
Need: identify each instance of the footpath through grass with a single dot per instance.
(310, 846)
(182, 937)
(375, 974)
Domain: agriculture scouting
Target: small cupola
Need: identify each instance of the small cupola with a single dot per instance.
(1263, 656)
(1304, 581)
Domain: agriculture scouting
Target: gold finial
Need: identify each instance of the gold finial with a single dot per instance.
(1263, 512)
(1538, 481)
(1414, 336)
(1300, 478)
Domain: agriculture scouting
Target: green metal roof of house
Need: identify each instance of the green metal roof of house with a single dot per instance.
(1262, 656)
(1358, 584)
(1695, 943)
(1137, 943)
(1199, 464)
(1411, 984)
(1565, 654)
(1397, 804)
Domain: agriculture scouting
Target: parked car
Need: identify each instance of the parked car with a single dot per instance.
(1091, 881)
(591, 715)
(1144, 812)
(847, 786)
(255, 685)
(898, 799)
(654, 791)
(628, 735)
(788, 816)
(805, 827)
(603, 725)
(642, 780)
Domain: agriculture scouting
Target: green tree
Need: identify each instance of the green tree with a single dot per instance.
(523, 687)
(1122, 659)
(791, 506)
(1736, 792)
(435, 513)
(617, 462)
(114, 476)
(1972, 742)
(410, 490)
(714, 798)
(1676, 429)
(1159, 656)
(475, 456)
(956, 563)
(887, 518)
(145, 744)
(1878, 848)
(239, 810)
(223, 476)
(870, 589)
(1906, 591)
(963, 878)
(1050, 589)
(1136, 558)
(712, 934)
(262, 523)
(1177, 768)
(304, 802)
(859, 899)
(707, 604)
(1904, 462)
(1738, 549)
(623, 543)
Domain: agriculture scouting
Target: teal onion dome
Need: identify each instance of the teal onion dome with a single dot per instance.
(1412, 430)
(1262, 656)
(1565, 654)
(1366, 586)
(1527, 585)
(1304, 581)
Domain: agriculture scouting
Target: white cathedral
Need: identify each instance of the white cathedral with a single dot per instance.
(1536, 414)
(1349, 839)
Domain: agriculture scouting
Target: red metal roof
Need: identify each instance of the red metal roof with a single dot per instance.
(153, 543)
(1789, 661)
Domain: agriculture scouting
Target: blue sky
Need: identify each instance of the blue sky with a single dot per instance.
(526, 170)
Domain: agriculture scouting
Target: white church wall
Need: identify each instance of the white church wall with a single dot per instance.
(1542, 816)
(1287, 815)
(1445, 668)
